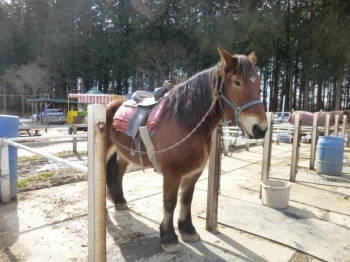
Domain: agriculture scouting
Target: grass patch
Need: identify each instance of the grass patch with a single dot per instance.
(59, 154)
(29, 158)
(69, 153)
(34, 179)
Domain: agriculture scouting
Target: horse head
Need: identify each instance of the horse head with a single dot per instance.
(239, 93)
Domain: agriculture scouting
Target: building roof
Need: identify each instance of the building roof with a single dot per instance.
(94, 91)
(50, 100)
(94, 98)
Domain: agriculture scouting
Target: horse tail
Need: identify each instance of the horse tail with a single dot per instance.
(115, 169)
(111, 175)
(111, 154)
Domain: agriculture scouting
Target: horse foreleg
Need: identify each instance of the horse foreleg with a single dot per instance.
(168, 238)
(115, 173)
(187, 230)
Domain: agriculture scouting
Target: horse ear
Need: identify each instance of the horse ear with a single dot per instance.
(252, 57)
(228, 61)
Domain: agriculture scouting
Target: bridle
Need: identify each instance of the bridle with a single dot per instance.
(237, 109)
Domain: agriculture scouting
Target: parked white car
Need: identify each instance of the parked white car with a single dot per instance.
(279, 118)
(54, 116)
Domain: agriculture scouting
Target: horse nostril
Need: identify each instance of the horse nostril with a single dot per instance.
(258, 133)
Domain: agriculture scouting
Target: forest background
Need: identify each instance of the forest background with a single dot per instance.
(55, 47)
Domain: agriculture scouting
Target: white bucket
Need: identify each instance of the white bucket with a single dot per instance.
(275, 193)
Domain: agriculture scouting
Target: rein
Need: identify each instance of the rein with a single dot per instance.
(237, 109)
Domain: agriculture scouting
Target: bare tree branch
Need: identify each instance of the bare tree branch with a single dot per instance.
(165, 61)
(28, 80)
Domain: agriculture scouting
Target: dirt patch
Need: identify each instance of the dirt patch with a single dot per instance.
(302, 257)
(61, 177)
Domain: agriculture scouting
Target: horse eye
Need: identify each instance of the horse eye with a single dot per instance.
(237, 83)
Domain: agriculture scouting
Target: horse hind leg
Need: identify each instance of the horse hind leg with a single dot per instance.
(187, 230)
(116, 168)
(168, 238)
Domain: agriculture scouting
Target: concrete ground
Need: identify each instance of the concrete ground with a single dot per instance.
(51, 224)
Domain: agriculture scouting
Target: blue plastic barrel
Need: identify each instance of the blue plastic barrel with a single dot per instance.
(9, 127)
(285, 138)
(330, 155)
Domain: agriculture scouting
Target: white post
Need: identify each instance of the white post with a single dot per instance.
(97, 183)
(5, 173)
(326, 128)
(283, 107)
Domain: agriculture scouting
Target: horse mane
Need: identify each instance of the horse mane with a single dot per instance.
(189, 101)
(244, 67)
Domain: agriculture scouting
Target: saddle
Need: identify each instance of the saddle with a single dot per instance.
(139, 118)
(144, 102)
(138, 112)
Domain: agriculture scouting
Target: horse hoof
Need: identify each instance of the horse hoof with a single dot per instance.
(122, 206)
(171, 248)
(190, 238)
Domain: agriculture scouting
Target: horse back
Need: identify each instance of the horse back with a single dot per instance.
(111, 108)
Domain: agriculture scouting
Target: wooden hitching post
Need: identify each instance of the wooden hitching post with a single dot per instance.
(336, 123)
(213, 182)
(226, 133)
(313, 141)
(97, 183)
(5, 173)
(343, 128)
(326, 128)
(266, 161)
(295, 149)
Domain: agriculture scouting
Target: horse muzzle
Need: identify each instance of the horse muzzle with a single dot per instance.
(258, 132)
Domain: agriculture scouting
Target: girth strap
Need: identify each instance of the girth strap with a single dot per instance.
(149, 147)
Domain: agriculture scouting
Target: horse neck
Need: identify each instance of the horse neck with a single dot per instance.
(212, 119)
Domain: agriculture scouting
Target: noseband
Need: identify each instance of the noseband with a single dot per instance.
(237, 109)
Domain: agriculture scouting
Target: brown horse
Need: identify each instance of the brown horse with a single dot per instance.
(193, 109)
(307, 117)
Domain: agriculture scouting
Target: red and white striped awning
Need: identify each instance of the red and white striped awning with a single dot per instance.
(94, 98)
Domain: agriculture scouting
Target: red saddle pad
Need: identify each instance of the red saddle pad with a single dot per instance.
(126, 111)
